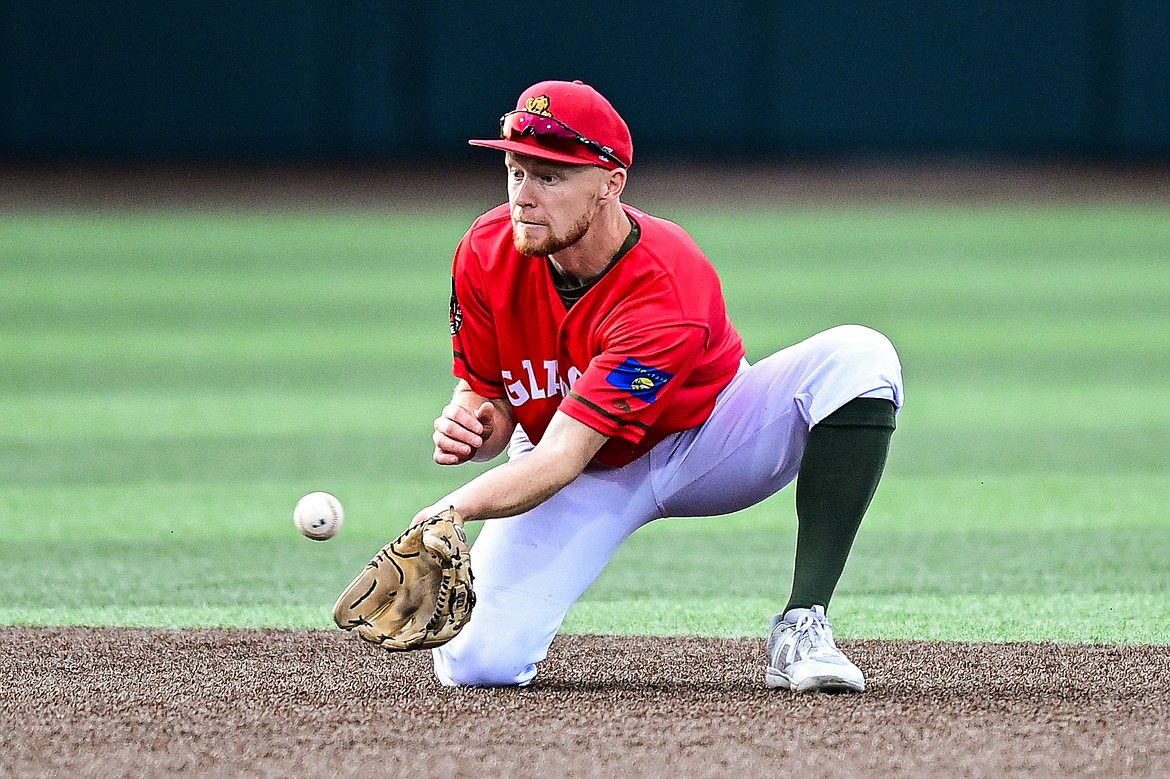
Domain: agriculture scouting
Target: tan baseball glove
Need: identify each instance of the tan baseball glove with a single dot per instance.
(417, 592)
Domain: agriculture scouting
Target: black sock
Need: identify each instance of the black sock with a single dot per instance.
(839, 473)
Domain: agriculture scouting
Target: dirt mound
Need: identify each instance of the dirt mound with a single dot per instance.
(121, 702)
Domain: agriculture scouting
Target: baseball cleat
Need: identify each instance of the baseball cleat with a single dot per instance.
(803, 657)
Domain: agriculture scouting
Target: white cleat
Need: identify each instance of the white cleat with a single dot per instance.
(803, 657)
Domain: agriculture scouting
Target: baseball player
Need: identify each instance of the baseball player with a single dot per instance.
(592, 342)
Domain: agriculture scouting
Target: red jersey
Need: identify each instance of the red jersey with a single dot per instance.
(640, 356)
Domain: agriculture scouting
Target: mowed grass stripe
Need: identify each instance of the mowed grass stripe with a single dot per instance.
(171, 383)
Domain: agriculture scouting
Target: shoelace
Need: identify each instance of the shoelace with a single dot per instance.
(814, 635)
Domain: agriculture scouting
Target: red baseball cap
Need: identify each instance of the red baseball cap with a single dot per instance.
(565, 121)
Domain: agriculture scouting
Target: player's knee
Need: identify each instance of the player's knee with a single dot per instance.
(863, 356)
(859, 339)
(484, 663)
(861, 346)
(509, 633)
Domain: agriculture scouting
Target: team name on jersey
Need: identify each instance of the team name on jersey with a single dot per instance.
(544, 380)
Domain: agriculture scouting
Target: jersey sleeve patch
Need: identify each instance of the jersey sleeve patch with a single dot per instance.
(639, 379)
(456, 310)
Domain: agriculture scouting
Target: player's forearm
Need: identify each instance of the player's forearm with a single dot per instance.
(512, 487)
(524, 483)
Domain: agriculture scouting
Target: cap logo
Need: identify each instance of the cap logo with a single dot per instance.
(538, 105)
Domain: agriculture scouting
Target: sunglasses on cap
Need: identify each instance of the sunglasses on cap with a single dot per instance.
(516, 124)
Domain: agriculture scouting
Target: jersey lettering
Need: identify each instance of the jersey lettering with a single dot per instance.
(517, 394)
(537, 392)
(521, 391)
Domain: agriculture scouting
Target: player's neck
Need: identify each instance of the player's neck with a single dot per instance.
(590, 256)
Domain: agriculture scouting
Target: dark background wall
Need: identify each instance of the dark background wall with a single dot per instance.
(375, 80)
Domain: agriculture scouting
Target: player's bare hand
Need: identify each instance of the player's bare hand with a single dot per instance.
(461, 431)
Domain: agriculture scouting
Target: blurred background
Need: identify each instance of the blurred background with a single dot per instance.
(372, 81)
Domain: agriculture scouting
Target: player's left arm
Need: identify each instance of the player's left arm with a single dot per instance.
(524, 483)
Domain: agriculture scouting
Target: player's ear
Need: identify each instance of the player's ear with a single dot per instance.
(615, 184)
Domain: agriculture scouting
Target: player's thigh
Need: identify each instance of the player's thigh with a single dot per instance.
(752, 444)
(747, 450)
(559, 547)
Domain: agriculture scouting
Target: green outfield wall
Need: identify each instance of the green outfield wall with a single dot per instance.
(341, 80)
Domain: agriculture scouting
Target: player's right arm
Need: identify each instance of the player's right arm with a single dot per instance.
(472, 427)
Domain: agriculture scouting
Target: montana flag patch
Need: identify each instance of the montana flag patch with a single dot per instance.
(641, 381)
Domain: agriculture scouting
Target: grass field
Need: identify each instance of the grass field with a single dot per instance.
(170, 384)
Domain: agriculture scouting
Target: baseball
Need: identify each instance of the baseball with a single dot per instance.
(318, 516)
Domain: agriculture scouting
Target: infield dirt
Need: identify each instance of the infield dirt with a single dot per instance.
(125, 702)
